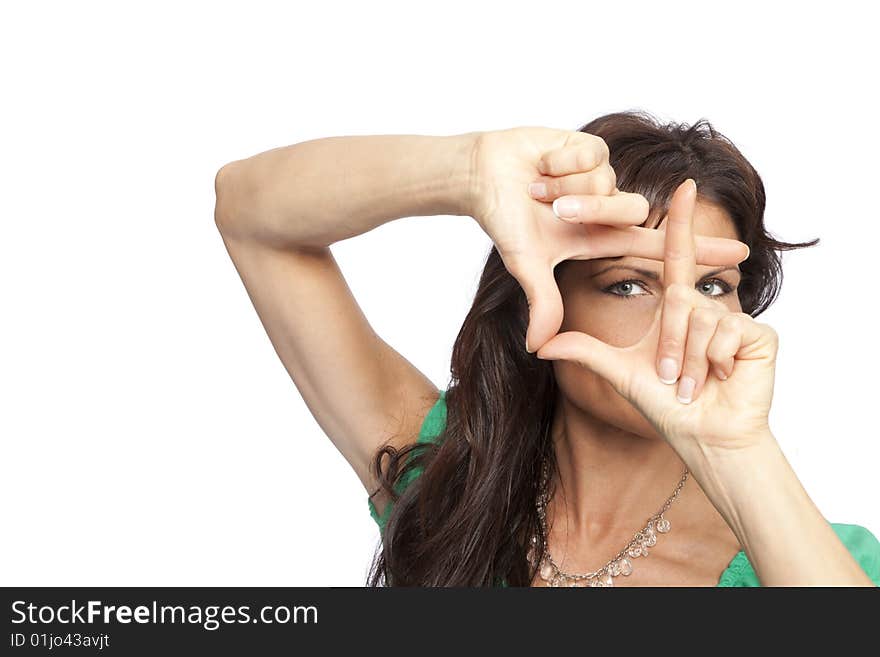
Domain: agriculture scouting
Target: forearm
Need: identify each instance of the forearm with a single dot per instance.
(784, 535)
(321, 191)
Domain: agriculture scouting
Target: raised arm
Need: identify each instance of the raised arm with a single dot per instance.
(278, 212)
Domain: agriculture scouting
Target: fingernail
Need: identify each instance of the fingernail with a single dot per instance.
(566, 207)
(537, 190)
(721, 375)
(686, 389)
(668, 370)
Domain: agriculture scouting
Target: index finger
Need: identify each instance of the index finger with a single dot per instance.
(616, 242)
(679, 257)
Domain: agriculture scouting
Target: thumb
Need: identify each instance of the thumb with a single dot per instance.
(545, 301)
(590, 352)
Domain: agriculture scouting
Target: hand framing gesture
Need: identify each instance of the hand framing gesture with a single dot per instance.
(701, 372)
(531, 239)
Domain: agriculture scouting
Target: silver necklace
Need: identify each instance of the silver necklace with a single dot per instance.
(620, 564)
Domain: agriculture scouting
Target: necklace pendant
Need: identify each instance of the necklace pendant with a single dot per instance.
(531, 556)
(550, 572)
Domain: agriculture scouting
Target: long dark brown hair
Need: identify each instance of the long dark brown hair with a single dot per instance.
(466, 520)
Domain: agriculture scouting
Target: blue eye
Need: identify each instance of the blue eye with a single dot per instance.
(722, 285)
(626, 288)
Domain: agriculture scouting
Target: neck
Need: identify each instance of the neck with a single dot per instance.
(610, 481)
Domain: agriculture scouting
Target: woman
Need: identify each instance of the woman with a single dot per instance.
(610, 386)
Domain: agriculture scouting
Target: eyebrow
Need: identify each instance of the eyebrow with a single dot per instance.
(654, 276)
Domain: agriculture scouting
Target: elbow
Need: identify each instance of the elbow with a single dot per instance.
(228, 193)
(221, 197)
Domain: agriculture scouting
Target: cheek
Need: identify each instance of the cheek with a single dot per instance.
(617, 322)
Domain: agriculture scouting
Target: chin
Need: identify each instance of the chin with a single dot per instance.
(620, 414)
(596, 397)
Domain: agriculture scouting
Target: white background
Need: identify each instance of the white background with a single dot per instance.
(151, 436)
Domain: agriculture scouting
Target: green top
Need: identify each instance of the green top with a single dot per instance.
(862, 544)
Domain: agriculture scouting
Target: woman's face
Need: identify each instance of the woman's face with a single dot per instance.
(608, 299)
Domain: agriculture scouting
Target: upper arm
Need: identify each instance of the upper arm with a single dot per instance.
(362, 392)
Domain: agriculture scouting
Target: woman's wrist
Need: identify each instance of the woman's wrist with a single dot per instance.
(457, 189)
(729, 476)
(785, 536)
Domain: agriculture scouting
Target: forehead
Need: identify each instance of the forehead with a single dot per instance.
(710, 220)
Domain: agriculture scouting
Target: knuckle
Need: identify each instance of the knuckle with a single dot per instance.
(715, 354)
(604, 181)
(643, 205)
(550, 163)
(555, 188)
(594, 206)
(703, 319)
(669, 344)
(729, 322)
(585, 159)
(601, 147)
